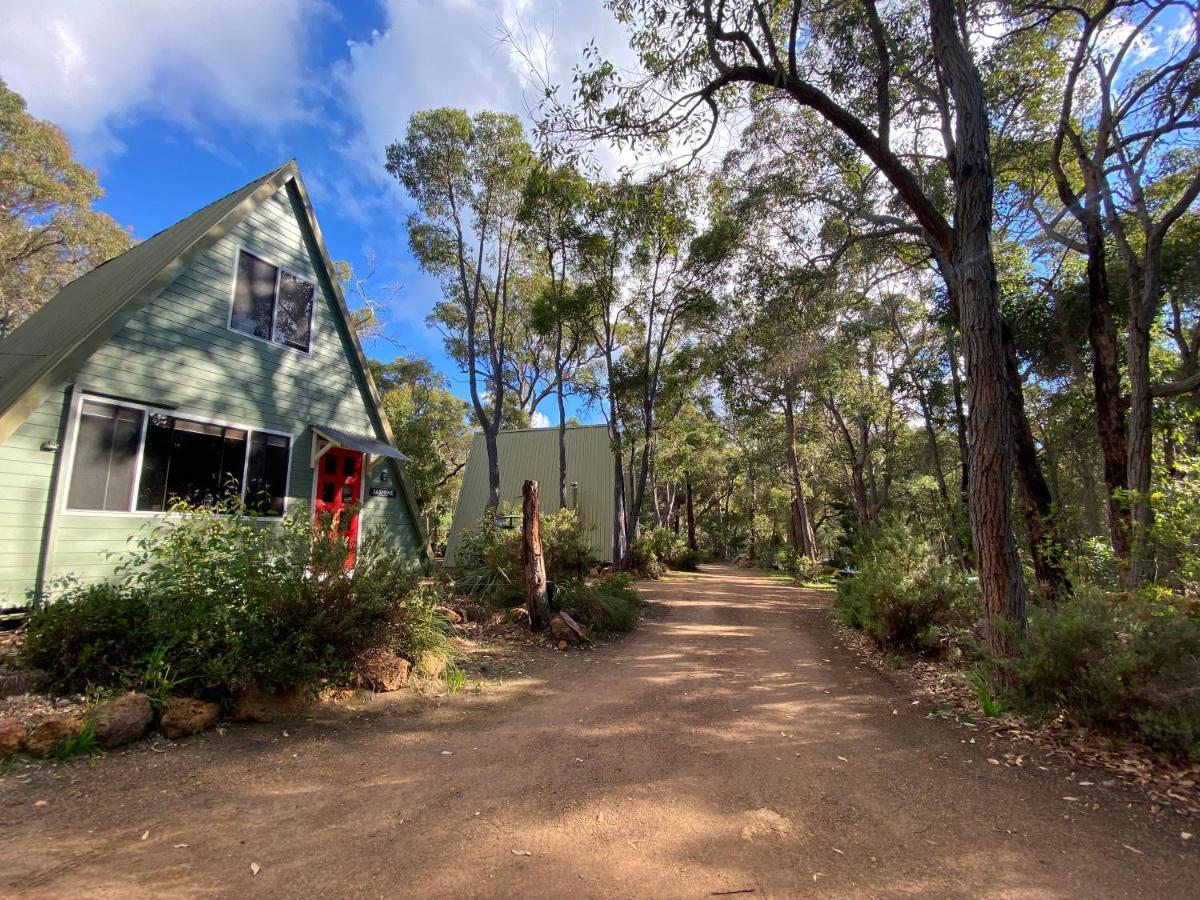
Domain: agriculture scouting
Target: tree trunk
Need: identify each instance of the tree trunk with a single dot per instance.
(562, 426)
(1001, 583)
(493, 455)
(691, 511)
(619, 548)
(1106, 389)
(534, 564)
(960, 417)
(1045, 542)
(805, 541)
(1141, 566)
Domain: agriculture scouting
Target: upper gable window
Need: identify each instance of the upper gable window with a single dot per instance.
(271, 303)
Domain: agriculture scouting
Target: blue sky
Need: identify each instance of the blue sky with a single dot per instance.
(177, 103)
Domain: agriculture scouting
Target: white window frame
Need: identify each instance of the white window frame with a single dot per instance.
(147, 411)
(238, 250)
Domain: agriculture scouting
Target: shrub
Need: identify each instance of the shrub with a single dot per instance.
(1122, 665)
(658, 548)
(903, 596)
(565, 546)
(803, 568)
(489, 566)
(90, 636)
(610, 604)
(217, 600)
(645, 562)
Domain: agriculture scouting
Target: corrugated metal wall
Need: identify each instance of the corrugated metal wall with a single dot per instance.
(533, 454)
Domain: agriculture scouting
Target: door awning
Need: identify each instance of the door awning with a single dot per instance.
(362, 443)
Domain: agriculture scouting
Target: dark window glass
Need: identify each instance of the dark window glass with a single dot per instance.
(190, 461)
(253, 296)
(293, 317)
(330, 463)
(266, 475)
(328, 490)
(105, 457)
(348, 466)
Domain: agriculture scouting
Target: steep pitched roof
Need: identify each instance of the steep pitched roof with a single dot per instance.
(56, 340)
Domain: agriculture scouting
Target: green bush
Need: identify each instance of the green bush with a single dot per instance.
(565, 546)
(658, 548)
(903, 596)
(1122, 665)
(610, 604)
(215, 600)
(488, 564)
(803, 569)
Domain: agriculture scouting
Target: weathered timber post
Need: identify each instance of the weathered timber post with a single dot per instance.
(534, 563)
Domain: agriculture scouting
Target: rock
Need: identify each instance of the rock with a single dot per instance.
(185, 716)
(452, 614)
(382, 670)
(42, 738)
(565, 628)
(562, 645)
(261, 704)
(12, 736)
(518, 615)
(431, 665)
(121, 720)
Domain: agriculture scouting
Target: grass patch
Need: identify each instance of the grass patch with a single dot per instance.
(81, 744)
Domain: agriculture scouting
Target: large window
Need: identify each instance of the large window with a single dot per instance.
(272, 303)
(133, 459)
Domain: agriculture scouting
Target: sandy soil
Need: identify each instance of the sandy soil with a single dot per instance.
(730, 746)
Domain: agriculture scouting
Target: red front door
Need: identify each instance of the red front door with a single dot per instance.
(339, 493)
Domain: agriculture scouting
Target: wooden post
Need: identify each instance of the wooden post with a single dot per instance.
(534, 563)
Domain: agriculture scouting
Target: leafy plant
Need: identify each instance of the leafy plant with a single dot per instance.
(82, 743)
(220, 599)
(989, 703)
(1118, 663)
(903, 596)
(610, 604)
(455, 678)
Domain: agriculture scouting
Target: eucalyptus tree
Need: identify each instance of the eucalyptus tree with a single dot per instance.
(667, 268)
(609, 227)
(466, 175)
(903, 86)
(50, 231)
(1124, 174)
(552, 216)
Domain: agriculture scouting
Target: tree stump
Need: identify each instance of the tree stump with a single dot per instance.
(534, 563)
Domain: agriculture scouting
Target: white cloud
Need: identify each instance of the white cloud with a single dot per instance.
(91, 66)
(435, 53)
(539, 420)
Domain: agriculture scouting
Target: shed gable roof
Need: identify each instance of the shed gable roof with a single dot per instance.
(57, 339)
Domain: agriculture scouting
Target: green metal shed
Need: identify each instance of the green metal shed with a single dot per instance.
(215, 359)
(533, 454)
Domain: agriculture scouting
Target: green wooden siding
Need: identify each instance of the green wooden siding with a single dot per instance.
(533, 454)
(178, 352)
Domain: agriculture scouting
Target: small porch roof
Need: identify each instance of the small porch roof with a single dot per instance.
(362, 443)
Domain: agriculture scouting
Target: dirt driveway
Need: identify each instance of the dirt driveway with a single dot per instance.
(730, 746)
